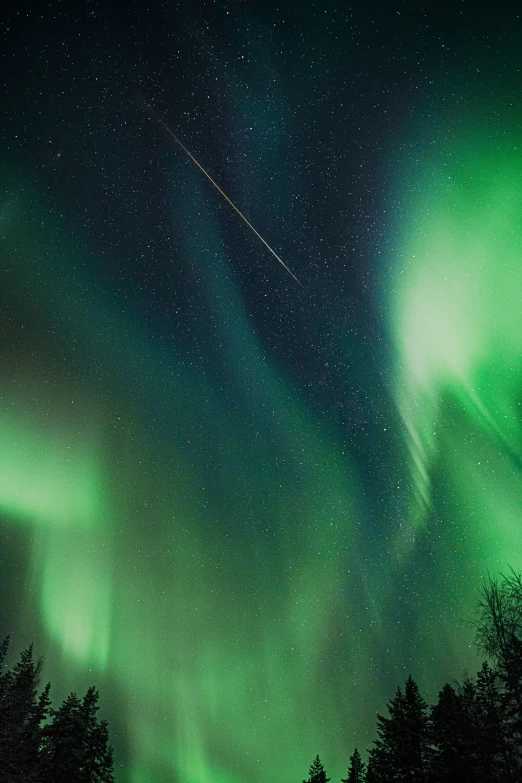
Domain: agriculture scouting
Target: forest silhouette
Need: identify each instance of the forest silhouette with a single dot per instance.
(472, 734)
(39, 744)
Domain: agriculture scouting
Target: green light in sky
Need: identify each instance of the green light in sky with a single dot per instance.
(207, 605)
(214, 565)
(51, 479)
(47, 477)
(454, 300)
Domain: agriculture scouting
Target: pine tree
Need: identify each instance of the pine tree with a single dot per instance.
(356, 769)
(4, 648)
(77, 743)
(495, 757)
(373, 775)
(449, 737)
(401, 752)
(5, 689)
(73, 747)
(34, 736)
(64, 741)
(97, 763)
(21, 715)
(381, 755)
(102, 765)
(316, 773)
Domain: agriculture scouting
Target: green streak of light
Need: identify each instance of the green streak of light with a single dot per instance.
(50, 480)
(203, 609)
(454, 299)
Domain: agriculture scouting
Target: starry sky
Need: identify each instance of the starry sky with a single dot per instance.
(244, 509)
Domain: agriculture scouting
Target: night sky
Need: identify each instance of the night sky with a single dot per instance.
(247, 510)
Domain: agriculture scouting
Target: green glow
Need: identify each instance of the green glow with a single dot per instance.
(47, 477)
(455, 305)
(203, 552)
(51, 478)
(76, 602)
(454, 301)
(207, 606)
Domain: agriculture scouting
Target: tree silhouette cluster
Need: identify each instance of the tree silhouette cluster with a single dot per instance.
(39, 744)
(473, 734)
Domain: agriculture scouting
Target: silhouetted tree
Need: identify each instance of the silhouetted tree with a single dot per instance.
(356, 769)
(316, 773)
(401, 752)
(495, 760)
(467, 732)
(65, 741)
(448, 735)
(499, 634)
(97, 762)
(373, 775)
(71, 748)
(77, 744)
(5, 681)
(21, 715)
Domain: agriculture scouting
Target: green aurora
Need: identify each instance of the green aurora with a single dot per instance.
(213, 559)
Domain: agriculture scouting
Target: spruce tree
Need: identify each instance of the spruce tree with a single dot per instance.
(449, 737)
(372, 772)
(65, 741)
(356, 769)
(72, 748)
(97, 762)
(21, 715)
(4, 648)
(77, 743)
(495, 756)
(316, 773)
(34, 738)
(401, 752)
(5, 689)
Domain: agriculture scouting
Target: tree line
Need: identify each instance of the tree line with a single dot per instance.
(473, 733)
(39, 744)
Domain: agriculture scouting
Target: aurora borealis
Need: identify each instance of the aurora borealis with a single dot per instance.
(244, 510)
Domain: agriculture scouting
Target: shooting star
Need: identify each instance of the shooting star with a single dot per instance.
(207, 175)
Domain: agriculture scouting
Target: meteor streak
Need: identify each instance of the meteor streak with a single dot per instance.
(223, 194)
